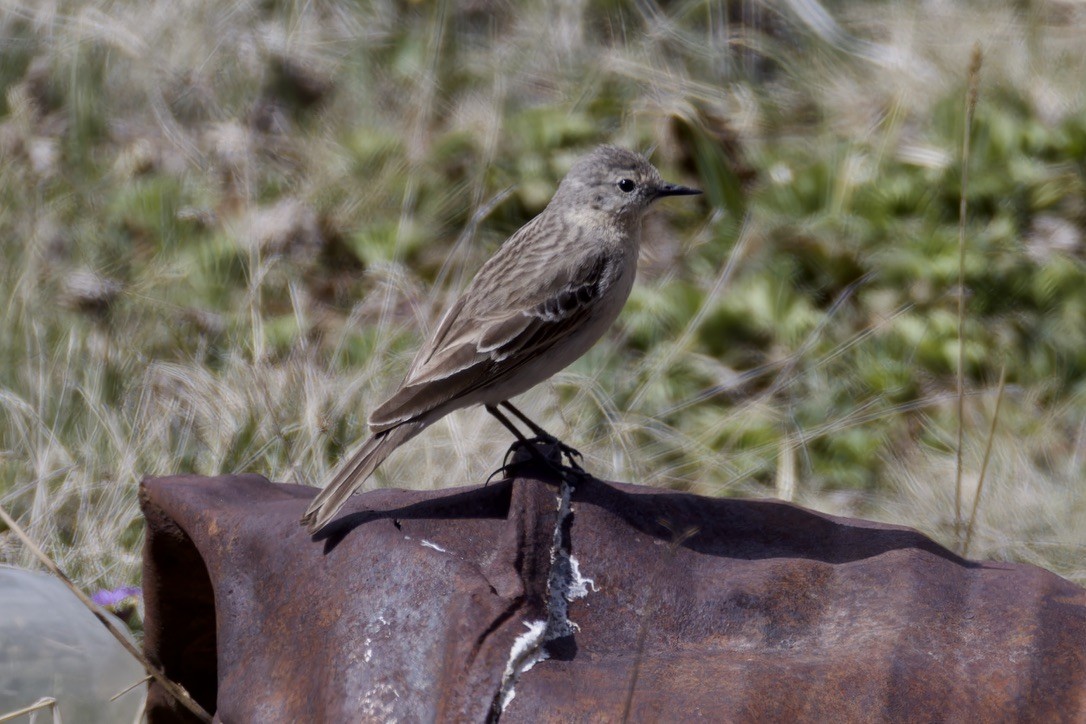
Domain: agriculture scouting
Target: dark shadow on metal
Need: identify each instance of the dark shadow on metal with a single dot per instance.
(755, 529)
(491, 501)
(747, 529)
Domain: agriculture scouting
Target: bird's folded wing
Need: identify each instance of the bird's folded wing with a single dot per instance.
(472, 353)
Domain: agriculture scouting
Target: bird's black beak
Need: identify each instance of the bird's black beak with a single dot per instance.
(666, 189)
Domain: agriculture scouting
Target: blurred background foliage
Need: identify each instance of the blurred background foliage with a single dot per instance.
(225, 223)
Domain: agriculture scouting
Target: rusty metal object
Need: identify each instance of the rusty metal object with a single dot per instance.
(717, 609)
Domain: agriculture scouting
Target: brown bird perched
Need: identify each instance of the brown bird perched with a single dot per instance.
(548, 294)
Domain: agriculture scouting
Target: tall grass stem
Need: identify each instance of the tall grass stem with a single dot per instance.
(970, 107)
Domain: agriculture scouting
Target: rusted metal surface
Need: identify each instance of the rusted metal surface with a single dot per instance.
(763, 611)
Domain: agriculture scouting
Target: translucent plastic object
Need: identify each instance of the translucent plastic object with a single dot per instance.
(51, 645)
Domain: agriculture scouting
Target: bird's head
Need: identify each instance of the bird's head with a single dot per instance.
(616, 182)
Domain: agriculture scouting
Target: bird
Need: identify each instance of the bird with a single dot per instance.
(540, 302)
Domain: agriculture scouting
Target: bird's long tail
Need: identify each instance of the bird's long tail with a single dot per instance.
(354, 473)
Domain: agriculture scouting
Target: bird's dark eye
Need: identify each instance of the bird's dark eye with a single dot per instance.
(626, 185)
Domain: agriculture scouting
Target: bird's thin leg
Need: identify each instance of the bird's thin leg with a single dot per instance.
(526, 420)
(507, 423)
(567, 450)
(532, 449)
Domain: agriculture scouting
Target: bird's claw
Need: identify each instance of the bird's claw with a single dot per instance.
(504, 469)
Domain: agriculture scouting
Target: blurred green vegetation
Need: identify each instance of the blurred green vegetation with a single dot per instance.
(293, 192)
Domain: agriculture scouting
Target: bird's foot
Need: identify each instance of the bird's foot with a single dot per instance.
(545, 449)
(571, 454)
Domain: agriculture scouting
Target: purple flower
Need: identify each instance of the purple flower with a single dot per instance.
(122, 602)
(116, 597)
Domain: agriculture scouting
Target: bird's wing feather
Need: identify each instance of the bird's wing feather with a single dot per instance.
(436, 341)
(494, 347)
(490, 296)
